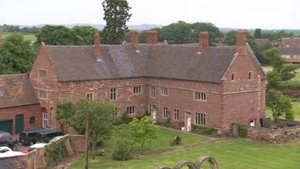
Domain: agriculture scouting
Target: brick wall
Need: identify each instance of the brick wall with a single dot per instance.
(239, 100)
(27, 111)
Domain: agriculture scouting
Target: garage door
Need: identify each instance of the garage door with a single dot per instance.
(6, 125)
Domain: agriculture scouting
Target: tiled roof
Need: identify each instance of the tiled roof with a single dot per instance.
(289, 51)
(77, 63)
(290, 42)
(16, 90)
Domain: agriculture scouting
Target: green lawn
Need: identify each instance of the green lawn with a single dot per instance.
(164, 135)
(29, 37)
(231, 154)
(296, 109)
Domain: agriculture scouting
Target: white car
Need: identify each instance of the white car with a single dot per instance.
(41, 145)
(7, 152)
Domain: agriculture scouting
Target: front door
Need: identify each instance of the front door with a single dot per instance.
(45, 119)
(188, 123)
(19, 123)
(153, 116)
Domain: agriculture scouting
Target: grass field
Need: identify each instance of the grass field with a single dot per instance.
(30, 37)
(230, 154)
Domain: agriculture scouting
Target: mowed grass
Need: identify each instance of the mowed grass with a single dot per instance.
(230, 154)
(30, 37)
(296, 110)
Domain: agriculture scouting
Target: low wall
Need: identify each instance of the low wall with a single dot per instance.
(275, 136)
(36, 159)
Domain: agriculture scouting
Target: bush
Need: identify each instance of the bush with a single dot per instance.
(203, 129)
(242, 130)
(56, 151)
(123, 149)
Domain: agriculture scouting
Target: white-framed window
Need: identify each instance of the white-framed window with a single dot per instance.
(176, 114)
(200, 96)
(89, 96)
(45, 120)
(137, 89)
(42, 73)
(152, 91)
(113, 94)
(164, 91)
(200, 119)
(166, 112)
(250, 75)
(42, 94)
(130, 110)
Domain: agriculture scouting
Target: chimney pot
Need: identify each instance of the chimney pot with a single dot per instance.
(241, 41)
(203, 40)
(134, 39)
(97, 49)
(151, 37)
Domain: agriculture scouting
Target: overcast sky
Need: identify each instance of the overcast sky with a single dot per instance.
(265, 14)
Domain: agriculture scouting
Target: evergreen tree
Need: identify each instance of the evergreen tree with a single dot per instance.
(116, 14)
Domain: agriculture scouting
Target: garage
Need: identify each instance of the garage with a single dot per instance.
(6, 125)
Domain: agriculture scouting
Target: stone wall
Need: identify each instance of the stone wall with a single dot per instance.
(275, 136)
(36, 158)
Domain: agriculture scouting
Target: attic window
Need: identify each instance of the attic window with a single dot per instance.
(42, 73)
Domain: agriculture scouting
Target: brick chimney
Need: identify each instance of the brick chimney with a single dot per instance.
(151, 37)
(203, 40)
(134, 39)
(97, 49)
(241, 41)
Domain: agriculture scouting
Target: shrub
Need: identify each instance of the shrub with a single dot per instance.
(242, 130)
(203, 129)
(123, 149)
(289, 115)
(56, 151)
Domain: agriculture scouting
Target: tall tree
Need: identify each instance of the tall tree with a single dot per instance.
(16, 55)
(116, 14)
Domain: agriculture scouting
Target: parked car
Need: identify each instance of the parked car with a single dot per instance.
(29, 137)
(8, 152)
(6, 139)
(43, 135)
(47, 135)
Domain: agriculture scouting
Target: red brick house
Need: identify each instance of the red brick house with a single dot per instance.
(19, 107)
(180, 83)
(289, 49)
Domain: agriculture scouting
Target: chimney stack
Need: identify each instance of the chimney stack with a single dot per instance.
(151, 37)
(134, 39)
(241, 41)
(97, 49)
(203, 40)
